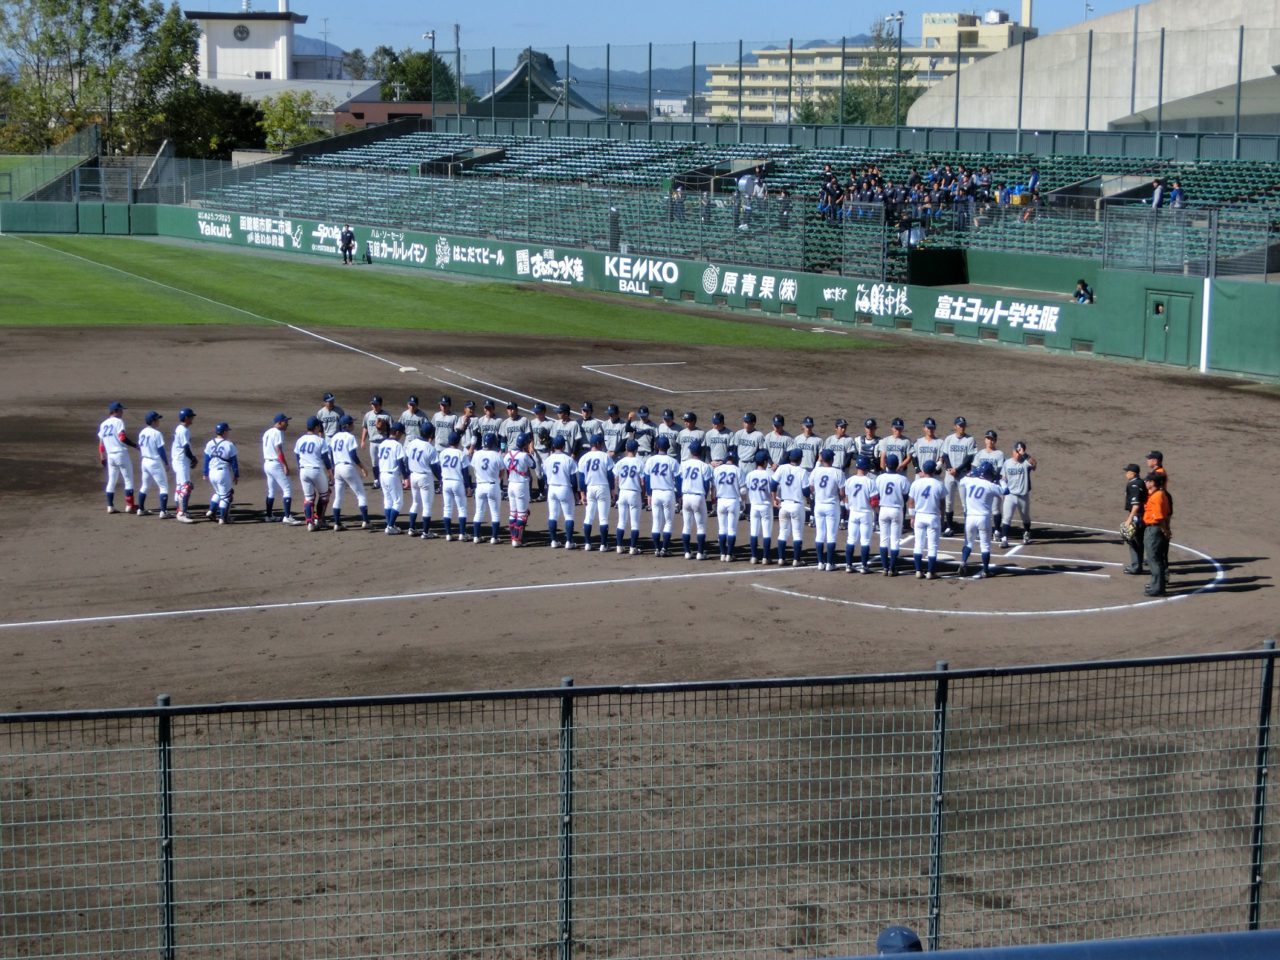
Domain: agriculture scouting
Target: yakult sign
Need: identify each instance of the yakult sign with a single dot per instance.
(634, 274)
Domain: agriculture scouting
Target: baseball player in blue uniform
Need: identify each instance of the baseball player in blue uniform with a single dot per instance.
(520, 466)
(891, 488)
(595, 487)
(861, 500)
(660, 472)
(927, 497)
(343, 450)
(790, 491)
(980, 491)
(113, 441)
(151, 450)
(760, 505)
(693, 486)
(455, 485)
(629, 472)
(562, 485)
(827, 484)
(486, 464)
(393, 472)
(424, 472)
(315, 466)
(222, 470)
(276, 468)
(729, 484)
(182, 459)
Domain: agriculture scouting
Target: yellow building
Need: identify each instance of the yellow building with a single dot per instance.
(948, 41)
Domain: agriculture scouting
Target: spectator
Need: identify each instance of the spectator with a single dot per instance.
(784, 209)
(1034, 205)
(1157, 193)
(1004, 195)
(1084, 292)
(677, 203)
(1033, 181)
(1177, 198)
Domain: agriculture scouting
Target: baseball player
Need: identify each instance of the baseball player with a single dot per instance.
(868, 445)
(565, 426)
(748, 440)
(778, 442)
(595, 490)
(424, 471)
(958, 451)
(980, 493)
(540, 426)
(486, 464)
(182, 459)
(689, 434)
(520, 467)
(927, 447)
(455, 485)
(989, 453)
(790, 491)
(276, 469)
(393, 472)
(760, 501)
(488, 423)
(414, 418)
(315, 466)
(729, 483)
(896, 444)
(328, 414)
(827, 483)
(590, 426)
(841, 446)
(467, 427)
(808, 443)
(222, 470)
(444, 421)
(693, 485)
(376, 420)
(151, 466)
(348, 472)
(562, 485)
(614, 430)
(667, 428)
(644, 431)
(660, 472)
(927, 497)
(511, 428)
(629, 472)
(112, 453)
(891, 488)
(1016, 474)
(861, 500)
(718, 441)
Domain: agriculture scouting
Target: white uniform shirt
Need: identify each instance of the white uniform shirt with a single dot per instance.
(181, 441)
(487, 465)
(628, 471)
(826, 482)
(791, 481)
(390, 453)
(311, 448)
(760, 487)
(892, 490)
(559, 469)
(272, 444)
(728, 481)
(520, 467)
(220, 454)
(109, 432)
(151, 443)
(344, 447)
(421, 455)
(858, 491)
(694, 478)
(593, 468)
(980, 496)
(928, 494)
(660, 470)
(454, 465)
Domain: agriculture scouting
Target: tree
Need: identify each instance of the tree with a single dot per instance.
(870, 94)
(418, 75)
(380, 62)
(164, 83)
(355, 64)
(289, 118)
(209, 124)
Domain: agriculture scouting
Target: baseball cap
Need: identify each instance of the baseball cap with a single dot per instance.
(329, 398)
(115, 407)
(930, 466)
(796, 455)
(396, 426)
(689, 415)
(991, 435)
(186, 412)
(748, 418)
(611, 409)
(930, 422)
(280, 418)
(695, 448)
(961, 422)
(642, 411)
(345, 420)
(807, 422)
(762, 456)
(633, 445)
(717, 417)
(558, 443)
(662, 443)
(488, 405)
(563, 408)
(512, 405)
(1133, 468)
(446, 399)
(891, 461)
(897, 422)
(221, 427)
(897, 939)
(151, 416)
(469, 405)
(539, 407)
(587, 406)
(376, 398)
(313, 422)
(842, 422)
(779, 420)
(413, 399)
(869, 422)
(597, 439)
(668, 414)
(454, 437)
(1156, 455)
(863, 463)
(828, 455)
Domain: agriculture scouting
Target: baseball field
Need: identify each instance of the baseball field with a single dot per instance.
(109, 610)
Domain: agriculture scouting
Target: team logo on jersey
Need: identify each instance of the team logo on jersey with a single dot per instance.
(710, 279)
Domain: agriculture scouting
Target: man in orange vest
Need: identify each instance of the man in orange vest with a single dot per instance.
(1156, 532)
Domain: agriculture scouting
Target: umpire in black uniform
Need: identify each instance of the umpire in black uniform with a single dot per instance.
(1135, 498)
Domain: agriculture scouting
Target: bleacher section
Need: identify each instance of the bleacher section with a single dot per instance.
(560, 190)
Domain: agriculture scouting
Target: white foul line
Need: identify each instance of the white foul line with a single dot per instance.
(596, 368)
(652, 363)
(344, 601)
(486, 383)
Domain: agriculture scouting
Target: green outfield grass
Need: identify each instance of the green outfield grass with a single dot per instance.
(66, 280)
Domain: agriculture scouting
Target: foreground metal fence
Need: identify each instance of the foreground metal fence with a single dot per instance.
(986, 807)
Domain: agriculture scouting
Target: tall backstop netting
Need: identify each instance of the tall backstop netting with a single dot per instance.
(746, 819)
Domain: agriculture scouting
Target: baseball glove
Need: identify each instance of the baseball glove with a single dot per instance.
(1129, 532)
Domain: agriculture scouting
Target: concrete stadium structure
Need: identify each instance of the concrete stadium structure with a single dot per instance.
(1105, 74)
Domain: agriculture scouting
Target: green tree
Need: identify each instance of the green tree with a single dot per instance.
(870, 92)
(209, 124)
(355, 64)
(380, 62)
(164, 83)
(290, 118)
(418, 75)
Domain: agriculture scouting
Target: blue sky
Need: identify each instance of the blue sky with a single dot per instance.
(513, 24)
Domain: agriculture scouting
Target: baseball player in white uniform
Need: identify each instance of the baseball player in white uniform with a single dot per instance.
(790, 491)
(660, 472)
(113, 442)
(349, 472)
(779, 443)
(693, 484)
(719, 442)
(990, 452)
(424, 471)
(372, 427)
(827, 483)
(486, 464)
(861, 500)
(980, 492)
(315, 466)
(689, 433)
(760, 504)
(328, 415)
(151, 448)
(520, 467)
(957, 459)
(445, 421)
(667, 428)
(393, 474)
(590, 424)
(510, 430)
(748, 441)
(614, 430)
(927, 496)
(729, 483)
(414, 419)
(629, 474)
(276, 469)
(486, 424)
(891, 488)
(222, 470)
(455, 485)
(1016, 474)
(561, 474)
(182, 459)
(595, 486)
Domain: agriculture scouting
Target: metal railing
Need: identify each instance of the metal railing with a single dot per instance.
(748, 818)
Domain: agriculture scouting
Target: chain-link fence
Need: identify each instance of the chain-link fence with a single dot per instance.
(984, 807)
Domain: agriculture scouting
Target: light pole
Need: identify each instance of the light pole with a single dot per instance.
(897, 95)
(431, 35)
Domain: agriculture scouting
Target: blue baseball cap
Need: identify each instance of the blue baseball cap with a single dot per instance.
(762, 456)
(539, 407)
(930, 466)
(863, 463)
(748, 418)
(828, 455)
(396, 426)
(842, 422)
(586, 406)
(313, 422)
(151, 417)
(597, 439)
(961, 422)
(454, 437)
(796, 455)
(280, 418)
(329, 398)
(807, 422)
(717, 417)
(662, 443)
(186, 412)
(345, 420)
(891, 461)
(779, 420)
(869, 422)
(633, 445)
(558, 443)
(221, 427)
(642, 410)
(115, 407)
(930, 422)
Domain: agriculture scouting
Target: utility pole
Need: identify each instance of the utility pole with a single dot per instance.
(431, 85)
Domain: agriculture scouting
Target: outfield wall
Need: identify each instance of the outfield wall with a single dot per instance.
(1156, 318)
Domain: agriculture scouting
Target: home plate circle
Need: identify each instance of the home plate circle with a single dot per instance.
(1068, 570)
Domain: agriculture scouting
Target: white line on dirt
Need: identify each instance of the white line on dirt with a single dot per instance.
(596, 368)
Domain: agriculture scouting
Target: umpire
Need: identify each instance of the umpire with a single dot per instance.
(1135, 501)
